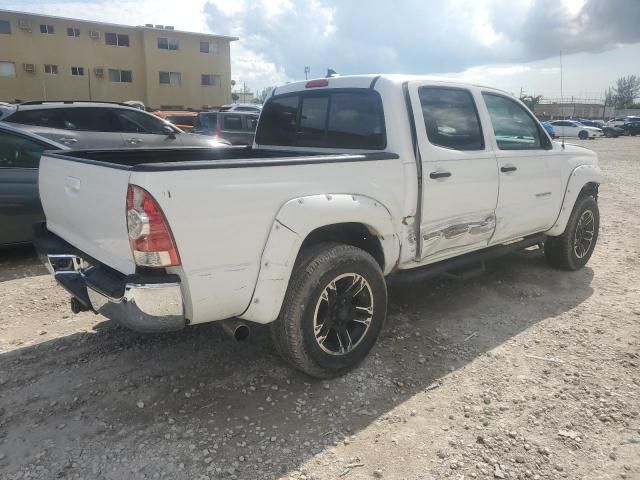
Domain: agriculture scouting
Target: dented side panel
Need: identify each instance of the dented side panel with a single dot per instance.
(459, 232)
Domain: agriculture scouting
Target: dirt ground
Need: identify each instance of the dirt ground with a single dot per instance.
(523, 372)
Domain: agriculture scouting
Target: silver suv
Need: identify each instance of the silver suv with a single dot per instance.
(82, 125)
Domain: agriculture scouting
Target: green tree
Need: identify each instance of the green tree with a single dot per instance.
(531, 101)
(625, 92)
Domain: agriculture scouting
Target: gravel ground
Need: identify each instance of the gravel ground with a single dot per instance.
(523, 372)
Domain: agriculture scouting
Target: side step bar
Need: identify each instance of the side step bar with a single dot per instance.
(450, 266)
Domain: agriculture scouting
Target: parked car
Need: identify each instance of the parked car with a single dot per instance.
(241, 107)
(571, 128)
(612, 132)
(20, 205)
(300, 231)
(101, 125)
(184, 120)
(239, 128)
(631, 128)
(622, 121)
(587, 123)
(136, 104)
(549, 128)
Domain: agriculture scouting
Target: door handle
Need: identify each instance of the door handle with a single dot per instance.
(508, 168)
(134, 140)
(68, 140)
(436, 175)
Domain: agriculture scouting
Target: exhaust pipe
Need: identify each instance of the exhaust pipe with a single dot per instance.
(238, 330)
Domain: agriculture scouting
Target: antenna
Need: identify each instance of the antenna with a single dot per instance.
(561, 95)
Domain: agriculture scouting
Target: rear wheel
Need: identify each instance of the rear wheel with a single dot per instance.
(573, 249)
(583, 135)
(609, 134)
(333, 311)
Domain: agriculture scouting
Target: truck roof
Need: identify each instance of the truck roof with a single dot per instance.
(369, 80)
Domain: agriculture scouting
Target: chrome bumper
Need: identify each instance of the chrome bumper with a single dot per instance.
(143, 307)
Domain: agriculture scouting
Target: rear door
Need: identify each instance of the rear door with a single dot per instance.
(88, 127)
(143, 130)
(19, 203)
(76, 127)
(460, 180)
(528, 167)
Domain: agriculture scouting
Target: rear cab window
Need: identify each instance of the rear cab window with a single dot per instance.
(335, 118)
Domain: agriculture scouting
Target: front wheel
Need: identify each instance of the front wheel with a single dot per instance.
(573, 249)
(333, 311)
(583, 135)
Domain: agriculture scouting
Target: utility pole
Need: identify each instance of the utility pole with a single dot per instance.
(307, 72)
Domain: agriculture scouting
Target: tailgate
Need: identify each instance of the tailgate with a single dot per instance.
(85, 204)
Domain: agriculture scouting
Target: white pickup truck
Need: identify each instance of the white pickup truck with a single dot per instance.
(350, 179)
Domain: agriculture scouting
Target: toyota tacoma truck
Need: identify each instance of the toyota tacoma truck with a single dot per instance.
(350, 179)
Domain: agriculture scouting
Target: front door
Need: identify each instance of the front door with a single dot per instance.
(460, 180)
(529, 168)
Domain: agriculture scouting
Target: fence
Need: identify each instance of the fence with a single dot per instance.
(555, 108)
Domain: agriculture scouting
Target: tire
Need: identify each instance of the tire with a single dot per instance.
(609, 134)
(310, 299)
(583, 135)
(562, 252)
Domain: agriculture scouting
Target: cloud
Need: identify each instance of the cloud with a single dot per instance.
(278, 38)
(412, 36)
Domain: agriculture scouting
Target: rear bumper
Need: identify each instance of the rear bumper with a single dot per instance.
(147, 304)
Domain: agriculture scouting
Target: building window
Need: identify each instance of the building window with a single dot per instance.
(50, 69)
(7, 69)
(211, 80)
(73, 32)
(120, 76)
(209, 47)
(116, 39)
(165, 43)
(77, 71)
(5, 26)
(46, 29)
(170, 78)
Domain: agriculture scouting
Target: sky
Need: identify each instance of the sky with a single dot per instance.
(510, 44)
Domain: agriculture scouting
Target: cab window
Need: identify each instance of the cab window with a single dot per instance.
(514, 128)
(450, 118)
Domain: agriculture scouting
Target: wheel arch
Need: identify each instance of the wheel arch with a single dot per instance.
(355, 220)
(584, 180)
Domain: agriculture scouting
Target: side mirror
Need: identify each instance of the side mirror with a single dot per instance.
(168, 131)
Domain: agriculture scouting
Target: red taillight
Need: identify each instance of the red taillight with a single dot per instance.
(149, 233)
(321, 82)
(216, 133)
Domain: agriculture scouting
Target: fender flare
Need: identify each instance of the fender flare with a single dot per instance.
(580, 176)
(295, 220)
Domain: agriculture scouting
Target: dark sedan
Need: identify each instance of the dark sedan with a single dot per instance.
(19, 201)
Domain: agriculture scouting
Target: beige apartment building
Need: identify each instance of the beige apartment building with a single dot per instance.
(53, 58)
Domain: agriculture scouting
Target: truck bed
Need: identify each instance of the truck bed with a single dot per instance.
(140, 160)
(221, 205)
